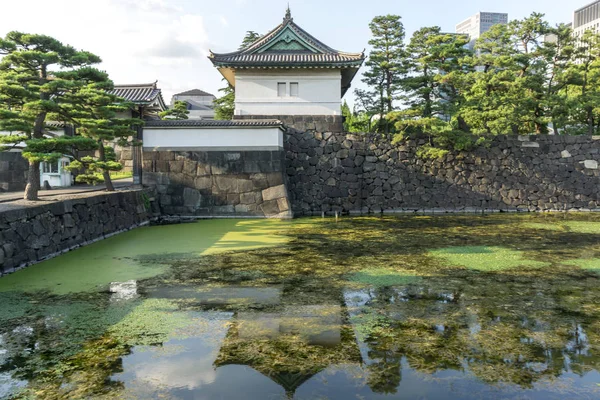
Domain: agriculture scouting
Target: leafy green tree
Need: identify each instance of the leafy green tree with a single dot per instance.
(179, 111)
(385, 67)
(353, 121)
(35, 73)
(506, 93)
(558, 51)
(225, 105)
(434, 62)
(586, 78)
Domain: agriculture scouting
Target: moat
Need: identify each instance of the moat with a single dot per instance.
(436, 307)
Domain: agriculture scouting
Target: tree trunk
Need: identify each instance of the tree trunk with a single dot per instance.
(33, 181)
(109, 185)
(105, 174)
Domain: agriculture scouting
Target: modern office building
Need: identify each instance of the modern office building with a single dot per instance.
(587, 17)
(479, 23)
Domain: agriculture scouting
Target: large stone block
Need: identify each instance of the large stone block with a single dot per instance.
(191, 197)
(274, 193)
(270, 207)
(227, 183)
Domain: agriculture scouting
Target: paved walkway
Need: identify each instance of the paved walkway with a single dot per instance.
(119, 185)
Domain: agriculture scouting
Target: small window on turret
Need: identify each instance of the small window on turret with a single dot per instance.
(294, 89)
(281, 89)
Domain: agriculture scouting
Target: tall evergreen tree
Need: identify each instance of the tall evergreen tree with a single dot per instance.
(558, 51)
(384, 66)
(586, 78)
(433, 58)
(35, 73)
(506, 92)
(225, 105)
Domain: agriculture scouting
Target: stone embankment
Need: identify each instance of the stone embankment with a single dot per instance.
(32, 233)
(367, 174)
(218, 183)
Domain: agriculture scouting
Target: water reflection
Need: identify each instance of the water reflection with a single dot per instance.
(335, 319)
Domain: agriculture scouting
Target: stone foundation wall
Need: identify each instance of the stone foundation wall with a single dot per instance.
(13, 171)
(30, 234)
(367, 174)
(218, 183)
(303, 123)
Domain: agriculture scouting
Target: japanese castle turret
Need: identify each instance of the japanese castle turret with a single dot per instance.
(291, 76)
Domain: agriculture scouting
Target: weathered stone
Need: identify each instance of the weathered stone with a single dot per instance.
(270, 207)
(203, 182)
(283, 204)
(565, 154)
(226, 183)
(274, 193)
(590, 164)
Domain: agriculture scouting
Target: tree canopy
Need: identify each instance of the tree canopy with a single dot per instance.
(524, 77)
(42, 80)
(179, 111)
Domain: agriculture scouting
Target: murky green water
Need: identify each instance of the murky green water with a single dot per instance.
(461, 307)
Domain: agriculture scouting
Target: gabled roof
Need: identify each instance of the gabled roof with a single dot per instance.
(287, 45)
(145, 94)
(195, 92)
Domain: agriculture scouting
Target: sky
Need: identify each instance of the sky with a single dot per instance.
(142, 41)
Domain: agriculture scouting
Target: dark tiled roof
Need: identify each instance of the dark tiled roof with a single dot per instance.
(195, 92)
(141, 94)
(199, 123)
(261, 53)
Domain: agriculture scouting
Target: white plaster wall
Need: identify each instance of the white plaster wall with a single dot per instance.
(212, 138)
(319, 92)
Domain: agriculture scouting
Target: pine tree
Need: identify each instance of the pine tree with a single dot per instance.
(558, 51)
(385, 68)
(35, 72)
(506, 93)
(178, 112)
(96, 118)
(586, 77)
(433, 60)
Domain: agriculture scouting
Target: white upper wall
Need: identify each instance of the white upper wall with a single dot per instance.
(212, 138)
(319, 92)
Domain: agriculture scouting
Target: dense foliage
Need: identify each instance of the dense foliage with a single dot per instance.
(179, 111)
(43, 81)
(525, 77)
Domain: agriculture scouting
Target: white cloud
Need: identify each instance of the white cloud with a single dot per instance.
(191, 372)
(139, 41)
(224, 21)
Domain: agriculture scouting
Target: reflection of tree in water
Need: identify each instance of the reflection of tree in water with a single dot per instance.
(500, 328)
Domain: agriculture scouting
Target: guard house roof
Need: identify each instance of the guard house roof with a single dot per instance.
(288, 46)
(142, 94)
(195, 92)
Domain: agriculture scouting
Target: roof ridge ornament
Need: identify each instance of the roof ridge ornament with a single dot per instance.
(288, 14)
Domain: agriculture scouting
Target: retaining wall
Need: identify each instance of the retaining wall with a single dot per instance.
(367, 174)
(30, 234)
(13, 171)
(218, 183)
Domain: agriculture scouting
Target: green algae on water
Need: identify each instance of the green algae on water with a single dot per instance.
(383, 277)
(485, 258)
